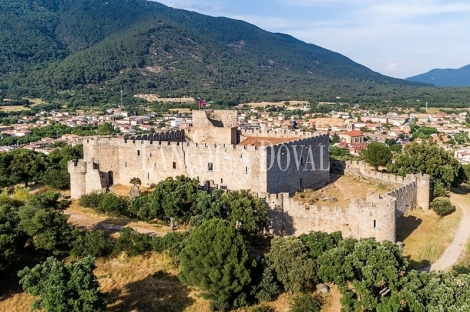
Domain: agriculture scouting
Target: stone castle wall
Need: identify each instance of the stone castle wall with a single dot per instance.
(218, 127)
(208, 152)
(229, 166)
(372, 217)
(298, 164)
(276, 133)
(413, 190)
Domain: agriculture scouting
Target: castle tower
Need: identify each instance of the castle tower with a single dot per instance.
(77, 170)
(423, 185)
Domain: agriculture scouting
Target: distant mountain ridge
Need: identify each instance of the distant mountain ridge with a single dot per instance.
(445, 77)
(50, 46)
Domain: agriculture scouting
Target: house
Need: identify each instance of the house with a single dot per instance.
(353, 136)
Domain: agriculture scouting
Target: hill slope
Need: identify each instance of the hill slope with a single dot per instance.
(140, 46)
(445, 77)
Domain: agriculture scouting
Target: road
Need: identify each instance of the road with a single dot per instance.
(453, 251)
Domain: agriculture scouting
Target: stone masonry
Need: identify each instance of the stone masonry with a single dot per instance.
(272, 164)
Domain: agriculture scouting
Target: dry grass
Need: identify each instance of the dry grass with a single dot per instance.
(343, 189)
(426, 235)
(332, 303)
(13, 108)
(434, 110)
(89, 219)
(143, 283)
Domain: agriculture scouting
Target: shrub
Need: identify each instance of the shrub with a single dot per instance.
(442, 206)
(92, 200)
(305, 303)
(460, 269)
(132, 242)
(265, 286)
(139, 208)
(96, 244)
(111, 203)
(162, 243)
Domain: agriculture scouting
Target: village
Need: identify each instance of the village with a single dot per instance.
(351, 129)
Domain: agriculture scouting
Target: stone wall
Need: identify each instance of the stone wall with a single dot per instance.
(276, 133)
(298, 164)
(372, 217)
(217, 127)
(229, 166)
(411, 191)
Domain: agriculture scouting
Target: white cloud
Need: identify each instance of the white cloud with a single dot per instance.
(392, 67)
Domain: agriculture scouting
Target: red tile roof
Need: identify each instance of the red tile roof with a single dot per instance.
(353, 133)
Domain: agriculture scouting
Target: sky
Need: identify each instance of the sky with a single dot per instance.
(399, 38)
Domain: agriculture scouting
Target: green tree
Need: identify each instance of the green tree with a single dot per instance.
(43, 220)
(209, 206)
(132, 242)
(290, 263)
(174, 197)
(59, 179)
(12, 239)
(60, 288)
(442, 206)
(320, 242)
(430, 159)
(114, 204)
(215, 258)
(22, 165)
(368, 273)
(264, 284)
(135, 181)
(106, 129)
(94, 243)
(377, 154)
(245, 211)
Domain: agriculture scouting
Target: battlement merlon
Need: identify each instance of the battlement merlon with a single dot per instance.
(77, 166)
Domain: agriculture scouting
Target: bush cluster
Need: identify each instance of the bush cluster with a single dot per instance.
(182, 199)
(442, 206)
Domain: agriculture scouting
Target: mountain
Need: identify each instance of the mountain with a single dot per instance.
(445, 77)
(49, 48)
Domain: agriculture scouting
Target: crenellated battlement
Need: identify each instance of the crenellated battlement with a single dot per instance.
(370, 217)
(277, 133)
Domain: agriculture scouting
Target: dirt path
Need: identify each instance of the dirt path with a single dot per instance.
(87, 221)
(452, 253)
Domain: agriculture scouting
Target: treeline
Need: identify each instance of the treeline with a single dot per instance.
(182, 200)
(25, 166)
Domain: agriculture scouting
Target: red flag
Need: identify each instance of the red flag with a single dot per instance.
(202, 104)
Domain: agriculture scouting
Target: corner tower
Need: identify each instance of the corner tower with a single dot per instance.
(77, 169)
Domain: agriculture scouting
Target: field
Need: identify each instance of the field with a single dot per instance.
(433, 110)
(426, 235)
(18, 108)
(13, 108)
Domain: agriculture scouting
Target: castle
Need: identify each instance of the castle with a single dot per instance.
(272, 164)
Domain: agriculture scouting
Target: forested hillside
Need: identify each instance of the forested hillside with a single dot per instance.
(445, 77)
(86, 51)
